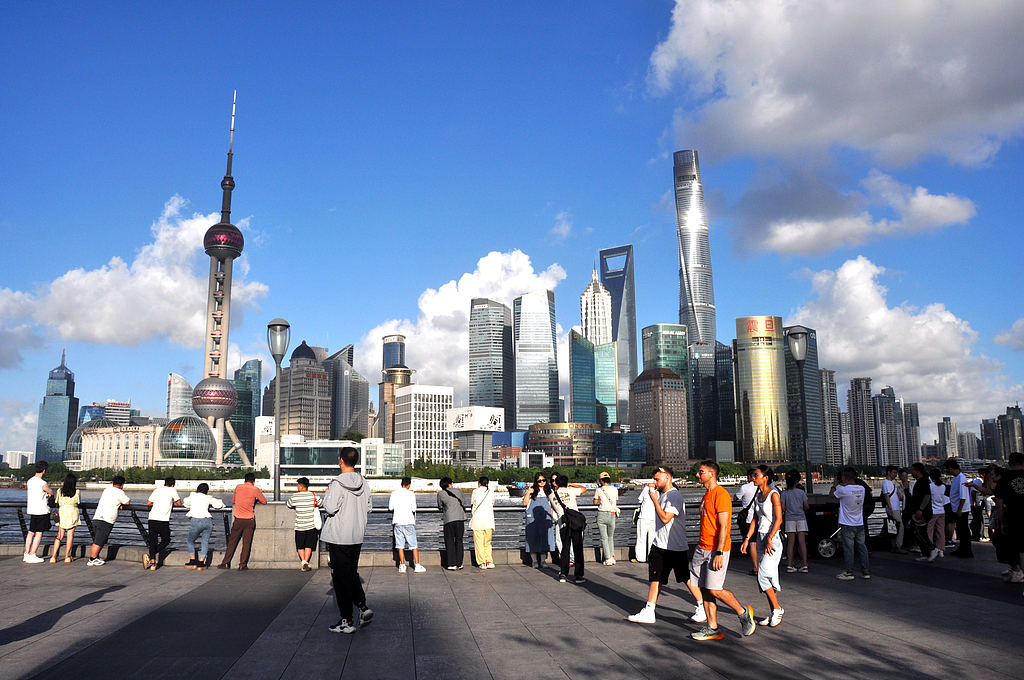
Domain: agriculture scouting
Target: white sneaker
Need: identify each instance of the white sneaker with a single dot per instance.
(645, 615)
(33, 559)
(490, 565)
(343, 626)
(774, 619)
(699, 615)
(401, 568)
(419, 569)
(95, 562)
(482, 566)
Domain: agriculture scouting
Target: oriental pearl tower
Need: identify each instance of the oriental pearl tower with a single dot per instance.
(214, 399)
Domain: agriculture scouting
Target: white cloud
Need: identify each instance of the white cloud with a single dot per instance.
(437, 342)
(563, 225)
(915, 208)
(18, 425)
(896, 80)
(1013, 338)
(158, 294)
(924, 353)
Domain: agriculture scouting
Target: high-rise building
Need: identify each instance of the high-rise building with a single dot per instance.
(658, 410)
(948, 445)
(350, 394)
(912, 431)
(394, 374)
(534, 343)
(593, 380)
(617, 277)
(846, 435)
(96, 410)
(305, 396)
(58, 414)
(804, 407)
(421, 422)
(179, 397)
(393, 349)
(831, 430)
(759, 368)
(968, 443)
(252, 371)
(596, 312)
(665, 346)
(696, 287)
(242, 423)
(989, 448)
(887, 427)
(1011, 432)
(725, 392)
(623, 450)
(120, 412)
(214, 398)
(492, 369)
(862, 419)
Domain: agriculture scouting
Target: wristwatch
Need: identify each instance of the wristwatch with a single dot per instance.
(716, 553)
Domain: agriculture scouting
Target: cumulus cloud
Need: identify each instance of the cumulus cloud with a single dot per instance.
(818, 221)
(896, 80)
(18, 425)
(1013, 338)
(924, 353)
(158, 294)
(563, 225)
(437, 341)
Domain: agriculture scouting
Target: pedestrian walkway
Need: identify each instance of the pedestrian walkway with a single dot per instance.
(954, 619)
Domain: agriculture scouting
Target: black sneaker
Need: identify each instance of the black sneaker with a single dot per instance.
(579, 580)
(561, 578)
(343, 626)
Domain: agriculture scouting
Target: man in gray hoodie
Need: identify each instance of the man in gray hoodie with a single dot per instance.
(347, 504)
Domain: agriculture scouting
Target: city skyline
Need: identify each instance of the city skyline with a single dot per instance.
(851, 230)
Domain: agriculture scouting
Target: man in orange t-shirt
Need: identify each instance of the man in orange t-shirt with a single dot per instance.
(710, 560)
(243, 521)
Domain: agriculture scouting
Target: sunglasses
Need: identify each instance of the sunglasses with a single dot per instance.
(541, 480)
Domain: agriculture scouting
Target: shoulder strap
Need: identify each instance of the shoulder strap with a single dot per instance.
(482, 499)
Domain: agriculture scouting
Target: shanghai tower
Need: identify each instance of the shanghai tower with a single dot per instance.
(697, 309)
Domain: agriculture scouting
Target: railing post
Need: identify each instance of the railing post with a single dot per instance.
(142, 529)
(24, 527)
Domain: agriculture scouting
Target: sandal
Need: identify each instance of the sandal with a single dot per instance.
(69, 560)
(53, 560)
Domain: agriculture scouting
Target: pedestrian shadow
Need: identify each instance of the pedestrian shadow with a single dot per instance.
(40, 623)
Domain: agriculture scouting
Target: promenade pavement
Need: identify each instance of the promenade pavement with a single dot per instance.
(951, 619)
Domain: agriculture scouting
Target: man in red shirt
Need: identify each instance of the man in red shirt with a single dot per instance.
(710, 560)
(243, 521)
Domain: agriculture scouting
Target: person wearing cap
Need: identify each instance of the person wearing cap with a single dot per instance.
(606, 498)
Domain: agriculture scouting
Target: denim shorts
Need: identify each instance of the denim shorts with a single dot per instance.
(405, 536)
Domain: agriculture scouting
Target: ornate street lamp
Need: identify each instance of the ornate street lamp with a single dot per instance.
(278, 336)
(796, 336)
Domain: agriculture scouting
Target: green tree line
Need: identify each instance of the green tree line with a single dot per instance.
(56, 472)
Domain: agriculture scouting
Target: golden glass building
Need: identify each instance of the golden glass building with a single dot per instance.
(759, 367)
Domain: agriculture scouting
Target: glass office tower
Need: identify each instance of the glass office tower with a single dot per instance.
(812, 407)
(58, 414)
(492, 379)
(593, 381)
(831, 430)
(696, 288)
(762, 413)
(252, 370)
(665, 346)
(394, 351)
(534, 343)
(617, 277)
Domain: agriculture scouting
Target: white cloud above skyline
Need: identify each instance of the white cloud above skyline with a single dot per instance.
(925, 354)
(1014, 337)
(158, 294)
(437, 341)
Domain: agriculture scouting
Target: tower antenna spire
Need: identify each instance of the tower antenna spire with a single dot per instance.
(228, 183)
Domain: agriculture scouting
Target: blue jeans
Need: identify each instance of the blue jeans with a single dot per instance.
(200, 528)
(855, 536)
(606, 527)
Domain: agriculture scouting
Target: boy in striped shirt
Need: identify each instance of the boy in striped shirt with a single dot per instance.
(305, 503)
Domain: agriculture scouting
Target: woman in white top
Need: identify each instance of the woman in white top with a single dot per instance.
(482, 522)
(795, 507)
(767, 522)
(199, 504)
(937, 524)
(606, 498)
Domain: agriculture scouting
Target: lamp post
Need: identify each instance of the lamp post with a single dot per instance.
(796, 336)
(278, 336)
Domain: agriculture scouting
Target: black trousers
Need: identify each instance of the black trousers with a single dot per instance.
(241, 530)
(976, 522)
(159, 537)
(575, 539)
(963, 532)
(348, 589)
(453, 533)
(921, 534)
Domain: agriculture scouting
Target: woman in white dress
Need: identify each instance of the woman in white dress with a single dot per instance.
(767, 523)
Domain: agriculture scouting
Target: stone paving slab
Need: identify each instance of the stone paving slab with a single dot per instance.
(948, 619)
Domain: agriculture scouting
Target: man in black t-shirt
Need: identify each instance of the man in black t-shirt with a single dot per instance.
(1010, 510)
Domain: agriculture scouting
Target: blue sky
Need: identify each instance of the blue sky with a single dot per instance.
(861, 164)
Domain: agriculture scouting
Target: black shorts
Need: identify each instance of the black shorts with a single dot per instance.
(307, 539)
(661, 563)
(101, 532)
(39, 523)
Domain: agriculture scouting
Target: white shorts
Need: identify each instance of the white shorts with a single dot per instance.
(796, 526)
